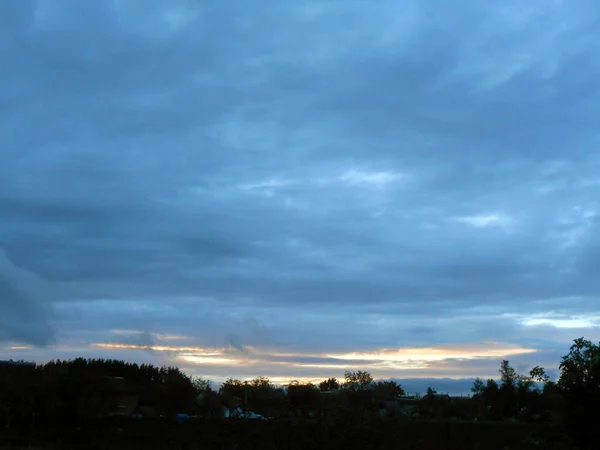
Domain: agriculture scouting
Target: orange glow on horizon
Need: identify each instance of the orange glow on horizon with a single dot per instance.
(430, 354)
(407, 362)
(196, 359)
(407, 357)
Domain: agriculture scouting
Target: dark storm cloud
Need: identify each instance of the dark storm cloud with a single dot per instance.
(24, 311)
(345, 175)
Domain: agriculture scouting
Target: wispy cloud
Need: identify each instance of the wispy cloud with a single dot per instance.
(558, 320)
(382, 362)
(488, 350)
(486, 220)
(267, 187)
(371, 179)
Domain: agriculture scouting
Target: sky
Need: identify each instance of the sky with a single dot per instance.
(297, 189)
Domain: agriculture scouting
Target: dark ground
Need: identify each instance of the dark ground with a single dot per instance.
(289, 435)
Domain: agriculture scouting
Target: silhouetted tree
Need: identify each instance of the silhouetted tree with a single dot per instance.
(580, 368)
(538, 374)
(478, 387)
(387, 390)
(234, 392)
(508, 390)
(358, 388)
(357, 381)
(508, 375)
(478, 391)
(201, 385)
(491, 395)
(331, 384)
(579, 381)
(304, 398)
(264, 397)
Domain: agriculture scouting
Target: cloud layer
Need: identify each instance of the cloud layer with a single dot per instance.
(312, 178)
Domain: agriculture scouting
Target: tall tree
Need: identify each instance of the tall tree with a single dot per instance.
(580, 368)
(508, 375)
(579, 381)
(508, 390)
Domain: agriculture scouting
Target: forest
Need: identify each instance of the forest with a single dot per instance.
(82, 395)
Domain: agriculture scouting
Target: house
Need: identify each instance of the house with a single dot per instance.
(237, 413)
(406, 405)
(439, 397)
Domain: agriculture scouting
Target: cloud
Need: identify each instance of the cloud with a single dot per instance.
(415, 362)
(377, 179)
(485, 220)
(315, 178)
(563, 320)
(25, 314)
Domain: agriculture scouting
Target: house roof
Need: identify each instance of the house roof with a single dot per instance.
(440, 396)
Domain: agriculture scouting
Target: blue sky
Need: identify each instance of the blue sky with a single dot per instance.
(296, 189)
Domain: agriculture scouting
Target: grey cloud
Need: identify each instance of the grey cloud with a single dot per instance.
(24, 308)
(234, 342)
(143, 339)
(132, 130)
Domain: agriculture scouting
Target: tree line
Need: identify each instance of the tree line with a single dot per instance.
(80, 390)
(571, 403)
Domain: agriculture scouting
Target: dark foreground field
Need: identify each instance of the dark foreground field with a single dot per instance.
(288, 435)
